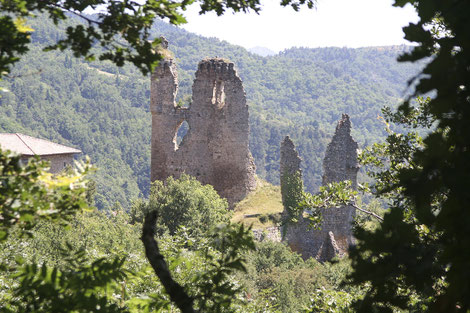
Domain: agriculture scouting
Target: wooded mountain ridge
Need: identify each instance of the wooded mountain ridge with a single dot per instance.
(104, 110)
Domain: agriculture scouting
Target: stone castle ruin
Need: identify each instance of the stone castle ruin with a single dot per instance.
(215, 148)
(340, 163)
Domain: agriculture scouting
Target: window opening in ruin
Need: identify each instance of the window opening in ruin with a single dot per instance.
(180, 133)
(218, 94)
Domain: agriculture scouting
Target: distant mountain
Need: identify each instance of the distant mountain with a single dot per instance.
(262, 51)
(104, 110)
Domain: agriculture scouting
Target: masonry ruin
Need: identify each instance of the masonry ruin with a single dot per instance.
(290, 159)
(335, 235)
(290, 173)
(215, 148)
(215, 151)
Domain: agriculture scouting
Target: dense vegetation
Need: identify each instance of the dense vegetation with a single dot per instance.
(103, 110)
(98, 259)
(414, 260)
(417, 260)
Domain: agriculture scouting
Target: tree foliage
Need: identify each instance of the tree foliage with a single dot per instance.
(96, 264)
(81, 287)
(98, 260)
(29, 194)
(417, 259)
(212, 290)
(184, 202)
(122, 28)
(292, 192)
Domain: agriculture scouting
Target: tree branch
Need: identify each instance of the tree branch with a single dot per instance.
(176, 292)
(367, 212)
(89, 20)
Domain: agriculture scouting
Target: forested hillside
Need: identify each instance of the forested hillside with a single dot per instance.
(103, 110)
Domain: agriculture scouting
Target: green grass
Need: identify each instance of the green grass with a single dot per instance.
(266, 201)
(167, 54)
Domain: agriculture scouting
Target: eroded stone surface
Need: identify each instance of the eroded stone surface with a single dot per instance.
(341, 164)
(215, 148)
(290, 159)
(340, 161)
(268, 234)
(335, 235)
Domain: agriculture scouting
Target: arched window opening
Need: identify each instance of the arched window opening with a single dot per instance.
(180, 133)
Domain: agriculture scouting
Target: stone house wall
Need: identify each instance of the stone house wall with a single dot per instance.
(58, 162)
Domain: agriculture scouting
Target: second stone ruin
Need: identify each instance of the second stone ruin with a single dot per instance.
(335, 234)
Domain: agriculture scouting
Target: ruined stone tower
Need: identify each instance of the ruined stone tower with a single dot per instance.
(335, 235)
(291, 174)
(340, 161)
(215, 148)
(290, 159)
(341, 164)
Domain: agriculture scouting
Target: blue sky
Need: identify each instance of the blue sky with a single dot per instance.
(339, 23)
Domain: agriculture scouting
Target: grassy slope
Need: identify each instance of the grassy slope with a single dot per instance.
(265, 201)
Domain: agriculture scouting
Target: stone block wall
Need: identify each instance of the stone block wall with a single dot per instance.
(58, 162)
(268, 234)
(341, 164)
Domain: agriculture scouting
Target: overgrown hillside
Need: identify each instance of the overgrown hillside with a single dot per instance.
(103, 110)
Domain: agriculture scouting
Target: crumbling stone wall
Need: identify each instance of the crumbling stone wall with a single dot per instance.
(335, 235)
(215, 148)
(291, 175)
(340, 161)
(341, 164)
(290, 159)
(268, 234)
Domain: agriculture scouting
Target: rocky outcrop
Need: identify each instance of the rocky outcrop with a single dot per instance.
(215, 148)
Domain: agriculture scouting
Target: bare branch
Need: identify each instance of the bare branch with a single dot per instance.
(79, 14)
(176, 292)
(367, 212)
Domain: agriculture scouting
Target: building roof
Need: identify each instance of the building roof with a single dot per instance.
(29, 146)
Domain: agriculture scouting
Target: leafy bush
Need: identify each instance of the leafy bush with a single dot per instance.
(183, 202)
